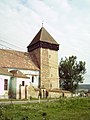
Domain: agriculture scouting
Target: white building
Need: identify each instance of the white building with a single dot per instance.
(17, 73)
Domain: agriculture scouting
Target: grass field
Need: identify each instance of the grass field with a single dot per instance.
(63, 109)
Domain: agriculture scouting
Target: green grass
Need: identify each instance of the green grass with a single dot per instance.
(63, 109)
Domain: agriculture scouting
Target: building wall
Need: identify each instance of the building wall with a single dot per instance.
(14, 83)
(35, 56)
(44, 68)
(20, 87)
(48, 63)
(30, 74)
(21, 92)
(27, 83)
(59, 94)
(4, 93)
(49, 68)
(32, 93)
(12, 87)
(53, 62)
(15, 87)
(54, 95)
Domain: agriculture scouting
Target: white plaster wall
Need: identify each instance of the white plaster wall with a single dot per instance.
(36, 80)
(19, 81)
(29, 74)
(3, 93)
(27, 82)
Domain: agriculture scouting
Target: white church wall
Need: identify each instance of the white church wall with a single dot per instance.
(21, 84)
(32, 74)
(4, 93)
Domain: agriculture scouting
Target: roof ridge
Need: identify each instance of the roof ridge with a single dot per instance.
(14, 50)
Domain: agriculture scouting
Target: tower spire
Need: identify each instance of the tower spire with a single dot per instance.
(42, 23)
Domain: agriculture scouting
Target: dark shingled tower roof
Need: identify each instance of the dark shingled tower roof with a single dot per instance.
(43, 36)
(43, 39)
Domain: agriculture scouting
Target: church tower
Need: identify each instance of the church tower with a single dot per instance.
(43, 50)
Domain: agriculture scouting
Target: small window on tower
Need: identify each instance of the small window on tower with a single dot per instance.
(49, 56)
(23, 83)
(50, 85)
(51, 75)
(32, 79)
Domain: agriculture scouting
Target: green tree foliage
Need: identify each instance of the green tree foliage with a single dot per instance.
(71, 73)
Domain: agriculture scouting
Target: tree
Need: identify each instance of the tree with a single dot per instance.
(71, 73)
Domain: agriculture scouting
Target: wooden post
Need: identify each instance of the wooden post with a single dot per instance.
(39, 99)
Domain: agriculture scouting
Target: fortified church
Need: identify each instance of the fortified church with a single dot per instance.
(33, 73)
(44, 49)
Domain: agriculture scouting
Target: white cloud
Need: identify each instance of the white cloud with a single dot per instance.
(17, 23)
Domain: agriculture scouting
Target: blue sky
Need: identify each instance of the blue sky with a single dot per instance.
(68, 21)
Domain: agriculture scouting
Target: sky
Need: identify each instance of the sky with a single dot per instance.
(68, 21)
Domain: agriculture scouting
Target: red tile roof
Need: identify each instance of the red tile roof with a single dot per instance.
(18, 74)
(16, 59)
(4, 71)
(14, 73)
